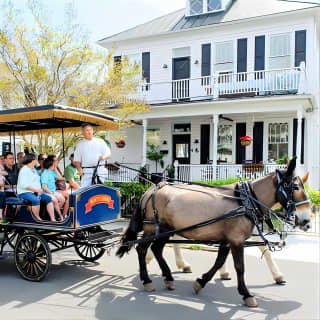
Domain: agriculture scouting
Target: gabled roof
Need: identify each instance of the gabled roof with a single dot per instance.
(239, 10)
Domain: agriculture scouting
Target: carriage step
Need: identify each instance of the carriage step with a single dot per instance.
(105, 235)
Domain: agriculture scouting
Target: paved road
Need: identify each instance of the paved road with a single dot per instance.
(112, 290)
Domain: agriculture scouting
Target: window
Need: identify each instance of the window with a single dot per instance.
(153, 136)
(196, 7)
(181, 127)
(224, 56)
(225, 143)
(277, 140)
(214, 5)
(280, 51)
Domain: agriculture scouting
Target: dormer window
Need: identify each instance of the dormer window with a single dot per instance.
(214, 5)
(197, 7)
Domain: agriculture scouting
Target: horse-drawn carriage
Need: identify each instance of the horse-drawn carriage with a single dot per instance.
(33, 241)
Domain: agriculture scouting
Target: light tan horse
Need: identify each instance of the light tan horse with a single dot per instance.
(181, 206)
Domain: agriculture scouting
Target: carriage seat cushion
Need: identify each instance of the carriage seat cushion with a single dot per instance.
(17, 201)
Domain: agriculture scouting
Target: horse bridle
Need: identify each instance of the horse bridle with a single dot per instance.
(286, 187)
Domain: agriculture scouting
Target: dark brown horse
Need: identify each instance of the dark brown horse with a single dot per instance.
(180, 206)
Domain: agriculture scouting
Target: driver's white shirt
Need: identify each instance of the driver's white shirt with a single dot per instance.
(87, 153)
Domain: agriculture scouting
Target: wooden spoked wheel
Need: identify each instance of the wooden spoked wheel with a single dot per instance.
(87, 251)
(32, 257)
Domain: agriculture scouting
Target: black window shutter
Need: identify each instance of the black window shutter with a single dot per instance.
(259, 54)
(300, 47)
(116, 63)
(206, 60)
(258, 142)
(146, 66)
(294, 147)
(242, 55)
(240, 150)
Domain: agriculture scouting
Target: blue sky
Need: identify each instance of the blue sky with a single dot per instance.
(106, 17)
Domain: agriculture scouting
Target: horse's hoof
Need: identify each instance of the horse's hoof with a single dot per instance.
(280, 280)
(169, 285)
(187, 269)
(225, 276)
(149, 287)
(197, 287)
(251, 302)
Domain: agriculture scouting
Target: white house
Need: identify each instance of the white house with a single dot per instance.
(219, 70)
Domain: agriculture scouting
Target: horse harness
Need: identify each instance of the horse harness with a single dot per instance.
(250, 207)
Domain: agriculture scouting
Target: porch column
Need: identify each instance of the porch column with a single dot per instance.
(215, 122)
(144, 142)
(299, 135)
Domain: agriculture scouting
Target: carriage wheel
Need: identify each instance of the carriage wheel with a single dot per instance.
(32, 257)
(88, 252)
(13, 238)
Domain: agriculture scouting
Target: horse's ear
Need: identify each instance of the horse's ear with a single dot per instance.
(291, 166)
(305, 178)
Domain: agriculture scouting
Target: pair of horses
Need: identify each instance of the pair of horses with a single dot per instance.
(180, 206)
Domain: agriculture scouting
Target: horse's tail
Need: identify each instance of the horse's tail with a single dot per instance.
(135, 226)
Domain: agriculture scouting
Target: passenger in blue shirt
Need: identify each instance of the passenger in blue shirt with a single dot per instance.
(48, 183)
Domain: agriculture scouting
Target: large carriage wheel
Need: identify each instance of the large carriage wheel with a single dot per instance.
(87, 251)
(32, 257)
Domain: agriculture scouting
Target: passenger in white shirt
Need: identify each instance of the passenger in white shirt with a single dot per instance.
(88, 152)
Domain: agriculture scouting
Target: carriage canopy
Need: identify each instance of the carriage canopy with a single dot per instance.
(51, 119)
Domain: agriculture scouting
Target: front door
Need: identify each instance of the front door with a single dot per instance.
(181, 148)
(180, 71)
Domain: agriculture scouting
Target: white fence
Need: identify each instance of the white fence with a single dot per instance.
(265, 82)
(209, 172)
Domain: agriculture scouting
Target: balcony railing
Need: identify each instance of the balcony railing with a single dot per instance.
(226, 85)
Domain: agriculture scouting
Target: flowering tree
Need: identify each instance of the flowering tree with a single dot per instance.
(44, 64)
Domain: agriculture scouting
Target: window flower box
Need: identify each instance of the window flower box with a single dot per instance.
(253, 167)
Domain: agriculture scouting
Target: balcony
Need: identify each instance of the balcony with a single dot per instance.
(226, 85)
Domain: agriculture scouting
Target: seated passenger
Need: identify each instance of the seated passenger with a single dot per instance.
(71, 174)
(41, 158)
(29, 187)
(60, 181)
(48, 183)
(12, 170)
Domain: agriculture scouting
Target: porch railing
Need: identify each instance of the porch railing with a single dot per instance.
(209, 172)
(254, 83)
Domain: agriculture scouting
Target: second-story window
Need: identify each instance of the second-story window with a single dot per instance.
(196, 7)
(280, 51)
(214, 5)
(224, 60)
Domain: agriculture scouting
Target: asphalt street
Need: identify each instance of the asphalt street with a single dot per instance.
(111, 289)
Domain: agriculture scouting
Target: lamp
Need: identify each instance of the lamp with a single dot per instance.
(196, 61)
(165, 66)
(196, 141)
(164, 142)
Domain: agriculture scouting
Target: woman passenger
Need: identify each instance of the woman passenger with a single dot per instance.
(29, 187)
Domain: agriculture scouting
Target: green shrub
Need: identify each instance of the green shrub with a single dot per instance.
(313, 195)
(219, 182)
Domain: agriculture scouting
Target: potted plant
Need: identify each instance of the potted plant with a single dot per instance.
(170, 172)
(245, 141)
(154, 154)
(120, 144)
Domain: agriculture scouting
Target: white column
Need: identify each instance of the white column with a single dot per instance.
(215, 122)
(299, 135)
(144, 142)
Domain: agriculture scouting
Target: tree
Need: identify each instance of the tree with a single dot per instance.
(154, 154)
(46, 64)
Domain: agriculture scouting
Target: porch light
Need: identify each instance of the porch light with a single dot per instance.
(196, 61)
(165, 66)
(196, 141)
(164, 142)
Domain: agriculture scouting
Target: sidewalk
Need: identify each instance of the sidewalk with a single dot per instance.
(298, 247)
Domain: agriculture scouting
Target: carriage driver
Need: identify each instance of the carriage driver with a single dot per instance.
(88, 152)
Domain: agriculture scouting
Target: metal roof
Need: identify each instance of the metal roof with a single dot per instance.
(239, 10)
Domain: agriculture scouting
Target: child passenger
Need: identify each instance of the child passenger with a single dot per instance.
(48, 183)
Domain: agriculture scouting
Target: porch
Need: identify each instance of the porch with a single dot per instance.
(226, 85)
